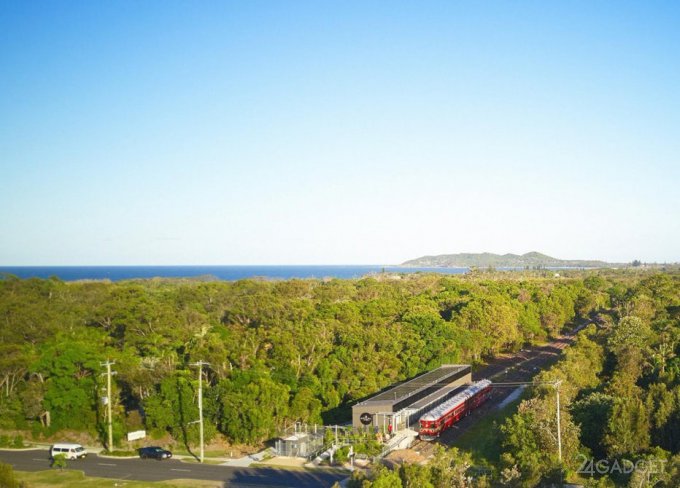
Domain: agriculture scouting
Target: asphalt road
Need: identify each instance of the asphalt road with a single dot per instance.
(152, 470)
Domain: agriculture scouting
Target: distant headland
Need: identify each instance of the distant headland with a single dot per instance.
(486, 259)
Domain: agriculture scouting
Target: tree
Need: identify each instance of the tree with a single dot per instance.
(450, 468)
(628, 427)
(173, 408)
(592, 414)
(595, 283)
(71, 370)
(415, 476)
(663, 407)
(306, 407)
(14, 361)
(251, 406)
(521, 446)
(385, 478)
(630, 332)
(530, 437)
(495, 319)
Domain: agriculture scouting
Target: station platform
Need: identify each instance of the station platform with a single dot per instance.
(401, 440)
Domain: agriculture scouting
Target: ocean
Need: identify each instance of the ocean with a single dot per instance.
(227, 273)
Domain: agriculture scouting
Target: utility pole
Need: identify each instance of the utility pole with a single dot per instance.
(200, 365)
(108, 374)
(559, 430)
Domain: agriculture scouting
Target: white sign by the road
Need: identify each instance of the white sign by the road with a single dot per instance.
(137, 434)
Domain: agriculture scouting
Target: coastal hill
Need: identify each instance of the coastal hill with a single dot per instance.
(486, 259)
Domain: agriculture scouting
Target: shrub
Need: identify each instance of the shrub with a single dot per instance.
(341, 455)
(59, 461)
(121, 453)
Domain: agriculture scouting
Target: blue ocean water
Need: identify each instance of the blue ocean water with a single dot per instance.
(227, 273)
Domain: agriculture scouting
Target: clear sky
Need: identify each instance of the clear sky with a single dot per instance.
(345, 132)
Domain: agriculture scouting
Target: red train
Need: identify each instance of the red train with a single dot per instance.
(448, 413)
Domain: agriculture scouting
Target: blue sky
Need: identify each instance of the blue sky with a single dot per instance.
(337, 132)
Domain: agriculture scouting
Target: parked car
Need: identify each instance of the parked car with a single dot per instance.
(69, 450)
(154, 452)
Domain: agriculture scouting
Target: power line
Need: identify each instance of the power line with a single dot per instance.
(511, 384)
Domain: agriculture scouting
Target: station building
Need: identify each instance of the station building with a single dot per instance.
(401, 406)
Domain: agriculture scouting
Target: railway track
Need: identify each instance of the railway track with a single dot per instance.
(521, 367)
(425, 449)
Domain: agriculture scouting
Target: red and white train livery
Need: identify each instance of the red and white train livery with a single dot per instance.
(448, 413)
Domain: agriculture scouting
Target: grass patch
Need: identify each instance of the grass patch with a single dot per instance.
(483, 439)
(74, 478)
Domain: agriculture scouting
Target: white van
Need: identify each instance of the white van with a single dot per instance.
(71, 451)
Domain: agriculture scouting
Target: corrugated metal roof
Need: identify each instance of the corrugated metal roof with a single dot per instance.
(415, 385)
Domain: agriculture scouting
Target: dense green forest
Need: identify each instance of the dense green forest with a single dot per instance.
(620, 397)
(279, 351)
(621, 393)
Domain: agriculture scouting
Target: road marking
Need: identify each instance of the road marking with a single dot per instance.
(175, 469)
(107, 464)
(40, 459)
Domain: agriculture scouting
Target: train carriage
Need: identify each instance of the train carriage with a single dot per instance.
(451, 411)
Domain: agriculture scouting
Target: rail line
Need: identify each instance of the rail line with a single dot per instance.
(507, 375)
